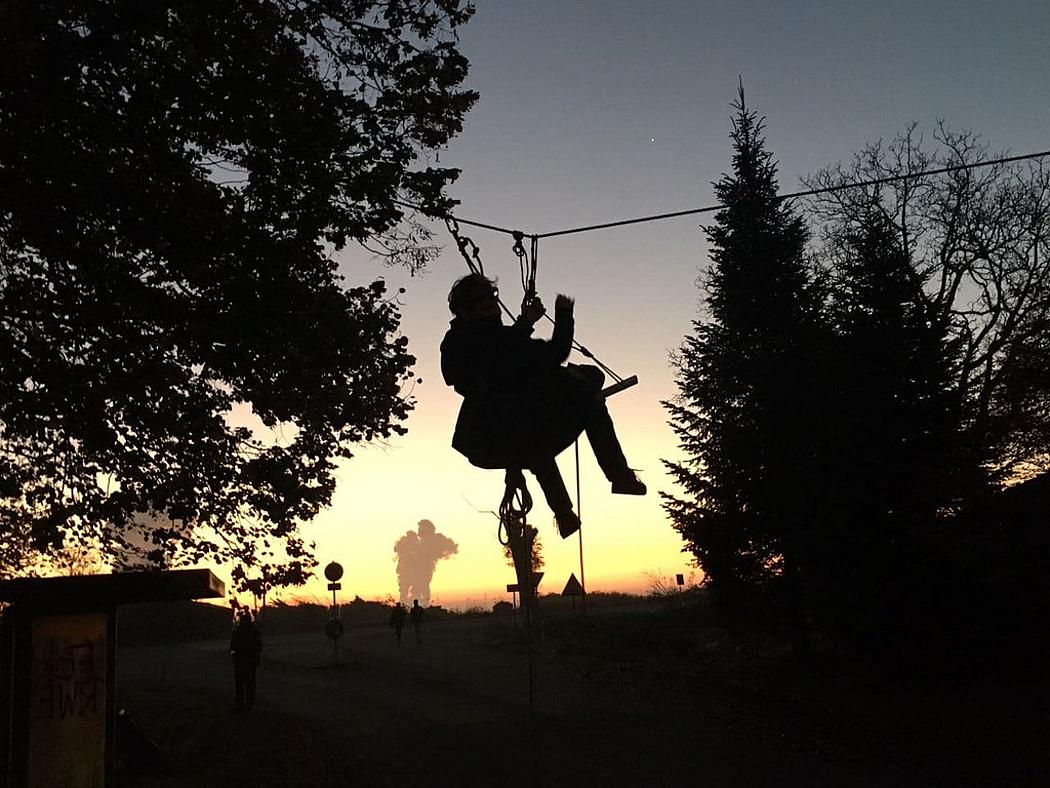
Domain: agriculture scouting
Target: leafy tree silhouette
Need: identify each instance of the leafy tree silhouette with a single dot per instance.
(537, 562)
(939, 299)
(173, 182)
(977, 243)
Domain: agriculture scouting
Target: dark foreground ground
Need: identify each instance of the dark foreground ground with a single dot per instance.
(456, 711)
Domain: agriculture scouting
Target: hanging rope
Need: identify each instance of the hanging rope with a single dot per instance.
(467, 248)
(516, 533)
(515, 506)
(526, 268)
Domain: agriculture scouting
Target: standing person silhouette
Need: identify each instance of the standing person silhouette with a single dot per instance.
(246, 650)
(521, 406)
(416, 615)
(397, 620)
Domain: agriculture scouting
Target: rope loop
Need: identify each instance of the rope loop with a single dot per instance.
(526, 266)
(515, 506)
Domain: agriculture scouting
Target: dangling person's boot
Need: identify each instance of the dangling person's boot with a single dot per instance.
(568, 523)
(627, 483)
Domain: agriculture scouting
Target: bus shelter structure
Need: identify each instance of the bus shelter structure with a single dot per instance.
(58, 639)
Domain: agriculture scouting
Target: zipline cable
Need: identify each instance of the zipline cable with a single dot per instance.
(806, 193)
(711, 208)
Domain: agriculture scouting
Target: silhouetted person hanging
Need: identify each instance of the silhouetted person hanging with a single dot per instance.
(397, 620)
(521, 406)
(416, 615)
(246, 650)
(418, 554)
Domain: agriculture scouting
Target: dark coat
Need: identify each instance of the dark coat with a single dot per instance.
(520, 405)
(245, 643)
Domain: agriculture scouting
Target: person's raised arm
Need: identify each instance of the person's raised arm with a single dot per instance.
(564, 326)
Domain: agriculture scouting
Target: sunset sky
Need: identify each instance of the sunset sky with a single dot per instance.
(598, 111)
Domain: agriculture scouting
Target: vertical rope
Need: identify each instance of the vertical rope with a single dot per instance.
(514, 526)
(586, 673)
(534, 248)
(579, 513)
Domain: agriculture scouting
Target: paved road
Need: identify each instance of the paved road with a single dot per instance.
(453, 711)
(456, 711)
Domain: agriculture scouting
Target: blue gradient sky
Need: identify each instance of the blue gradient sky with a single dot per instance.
(596, 111)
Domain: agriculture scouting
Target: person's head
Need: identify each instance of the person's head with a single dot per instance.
(415, 603)
(426, 528)
(474, 297)
(244, 616)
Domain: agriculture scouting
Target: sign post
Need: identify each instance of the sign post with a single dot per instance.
(515, 588)
(334, 628)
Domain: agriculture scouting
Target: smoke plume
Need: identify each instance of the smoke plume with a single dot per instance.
(418, 553)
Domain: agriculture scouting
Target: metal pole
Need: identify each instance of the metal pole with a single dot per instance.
(335, 614)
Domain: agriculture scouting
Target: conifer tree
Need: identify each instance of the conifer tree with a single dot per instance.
(746, 414)
(896, 372)
(892, 453)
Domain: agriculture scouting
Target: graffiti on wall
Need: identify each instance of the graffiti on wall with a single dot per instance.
(67, 713)
(67, 681)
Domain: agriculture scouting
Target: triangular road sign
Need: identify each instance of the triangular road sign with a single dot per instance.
(572, 587)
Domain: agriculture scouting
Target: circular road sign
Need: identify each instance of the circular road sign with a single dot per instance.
(333, 629)
(333, 571)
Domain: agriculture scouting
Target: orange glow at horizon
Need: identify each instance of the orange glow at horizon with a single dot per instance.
(386, 489)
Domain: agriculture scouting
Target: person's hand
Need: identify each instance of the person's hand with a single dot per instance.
(563, 303)
(532, 311)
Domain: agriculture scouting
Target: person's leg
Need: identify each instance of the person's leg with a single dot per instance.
(549, 478)
(238, 686)
(249, 687)
(601, 434)
(606, 446)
